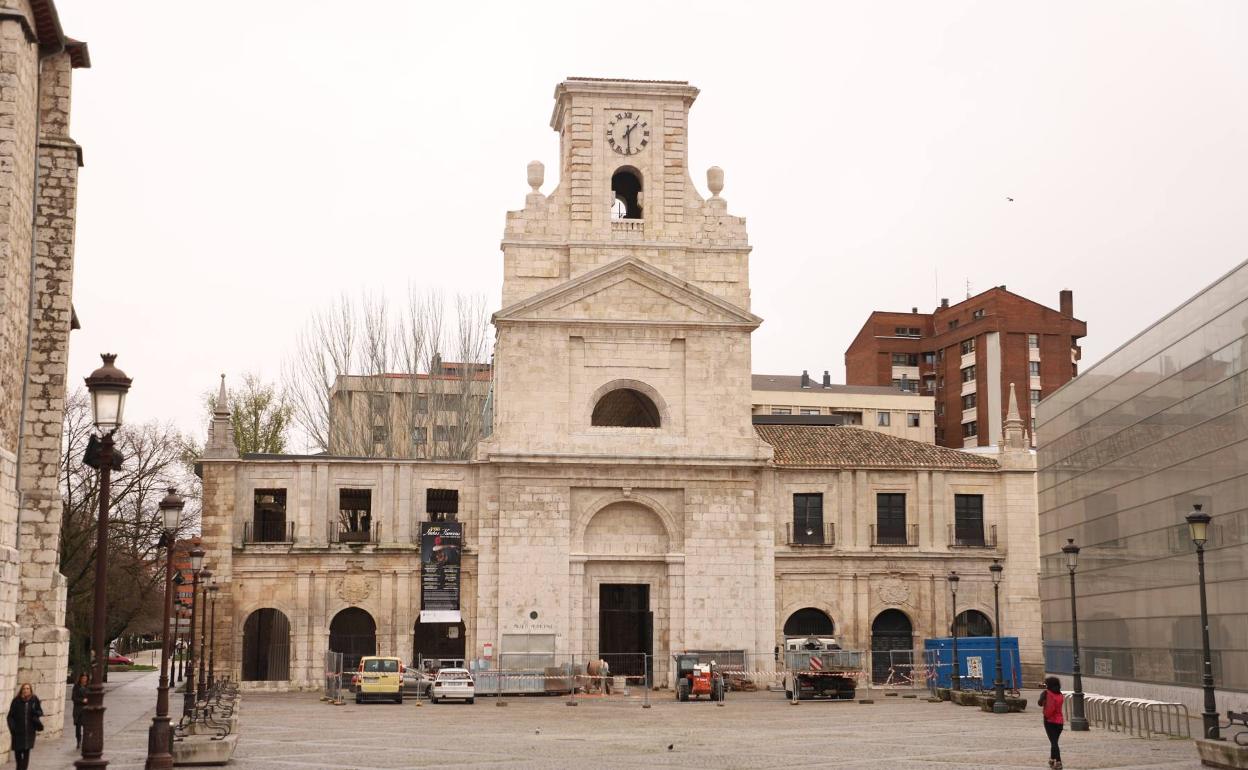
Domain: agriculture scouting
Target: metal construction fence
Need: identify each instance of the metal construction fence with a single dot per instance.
(334, 684)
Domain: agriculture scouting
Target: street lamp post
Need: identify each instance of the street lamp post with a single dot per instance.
(108, 386)
(212, 633)
(202, 686)
(1198, 523)
(188, 691)
(159, 739)
(1078, 721)
(953, 591)
(999, 706)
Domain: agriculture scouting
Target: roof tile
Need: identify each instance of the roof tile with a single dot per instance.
(839, 446)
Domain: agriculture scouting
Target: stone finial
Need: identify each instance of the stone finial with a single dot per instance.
(1013, 435)
(715, 180)
(220, 444)
(537, 175)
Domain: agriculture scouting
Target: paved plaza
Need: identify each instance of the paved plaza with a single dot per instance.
(285, 731)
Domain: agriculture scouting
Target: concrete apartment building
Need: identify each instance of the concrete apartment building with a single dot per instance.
(781, 399)
(39, 164)
(625, 504)
(966, 355)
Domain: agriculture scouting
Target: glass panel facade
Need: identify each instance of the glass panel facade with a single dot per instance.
(1127, 449)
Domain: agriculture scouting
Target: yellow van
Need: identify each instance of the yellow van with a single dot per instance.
(380, 678)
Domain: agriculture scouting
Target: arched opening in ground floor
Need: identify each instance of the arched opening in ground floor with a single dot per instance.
(626, 628)
(266, 646)
(353, 632)
(973, 623)
(809, 621)
(892, 646)
(438, 641)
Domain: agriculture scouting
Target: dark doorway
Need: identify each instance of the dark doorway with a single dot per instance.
(353, 633)
(438, 640)
(809, 621)
(892, 645)
(266, 647)
(625, 628)
(974, 623)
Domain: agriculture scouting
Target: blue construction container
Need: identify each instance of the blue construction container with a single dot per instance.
(977, 661)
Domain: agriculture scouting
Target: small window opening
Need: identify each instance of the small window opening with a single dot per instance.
(355, 514)
(626, 184)
(625, 408)
(442, 504)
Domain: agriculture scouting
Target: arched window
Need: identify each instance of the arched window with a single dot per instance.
(266, 646)
(626, 184)
(809, 621)
(625, 408)
(974, 623)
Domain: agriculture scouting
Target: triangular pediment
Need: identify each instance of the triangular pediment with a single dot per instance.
(628, 291)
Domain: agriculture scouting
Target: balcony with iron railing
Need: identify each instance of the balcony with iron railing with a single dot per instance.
(820, 535)
(276, 532)
(907, 537)
(368, 534)
(973, 539)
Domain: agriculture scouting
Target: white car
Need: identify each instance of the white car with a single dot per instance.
(453, 684)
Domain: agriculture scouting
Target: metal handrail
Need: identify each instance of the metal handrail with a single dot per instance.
(823, 536)
(989, 540)
(911, 537)
(337, 533)
(270, 532)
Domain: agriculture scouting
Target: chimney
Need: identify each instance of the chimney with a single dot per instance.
(827, 379)
(944, 302)
(914, 310)
(805, 379)
(1066, 300)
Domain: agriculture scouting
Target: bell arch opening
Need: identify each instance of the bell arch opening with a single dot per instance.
(626, 185)
(626, 408)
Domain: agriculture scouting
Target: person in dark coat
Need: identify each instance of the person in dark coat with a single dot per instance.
(25, 719)
(79, 697)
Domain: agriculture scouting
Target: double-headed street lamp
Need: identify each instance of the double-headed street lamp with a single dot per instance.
(108, 386)
(188, 691)
(1198, 523)
(1078, 721)
(999, 706)
(159, 739)
(953, 591)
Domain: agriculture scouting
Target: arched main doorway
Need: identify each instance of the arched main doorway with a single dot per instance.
(892, 644)
(973, 623)
(266, 646)
(809, 621)
(438, 641)
(353, 633)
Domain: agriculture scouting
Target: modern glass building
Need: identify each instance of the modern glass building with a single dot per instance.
(1125, 450)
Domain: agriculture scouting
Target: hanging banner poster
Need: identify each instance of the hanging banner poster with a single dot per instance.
(441, 544)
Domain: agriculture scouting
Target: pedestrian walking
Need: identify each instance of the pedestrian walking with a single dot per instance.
(25, 720)
(1051, 701)
(79, 697)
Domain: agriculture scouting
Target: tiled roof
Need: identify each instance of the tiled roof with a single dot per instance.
(840, 446)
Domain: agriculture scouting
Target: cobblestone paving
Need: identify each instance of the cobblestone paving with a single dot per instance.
(281, 732)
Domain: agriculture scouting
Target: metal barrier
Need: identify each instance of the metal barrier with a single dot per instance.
(1140, 717)
(333, 686)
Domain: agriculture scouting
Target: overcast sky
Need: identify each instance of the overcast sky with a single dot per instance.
(247, 163)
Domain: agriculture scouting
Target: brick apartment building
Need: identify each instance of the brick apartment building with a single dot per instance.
(967, 355)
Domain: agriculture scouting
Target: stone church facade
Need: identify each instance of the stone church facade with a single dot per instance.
(624, 502)
(39, 164)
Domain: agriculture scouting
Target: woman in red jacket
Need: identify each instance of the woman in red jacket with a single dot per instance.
(1051, 701)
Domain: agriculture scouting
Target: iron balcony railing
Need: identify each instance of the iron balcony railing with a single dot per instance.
(908, 536)
(268, 532)
(973, 539)
(370, 534)
(817, 535)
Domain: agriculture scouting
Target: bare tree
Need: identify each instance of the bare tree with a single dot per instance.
(368, 380)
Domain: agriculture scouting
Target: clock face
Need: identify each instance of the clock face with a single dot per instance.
(628, 133)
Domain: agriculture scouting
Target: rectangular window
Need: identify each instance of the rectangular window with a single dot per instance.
(968, 346)
(881, 419)
(442, 504)
(422, 404)
(380, 403)
(420, 435)
(929, 384)
(890, 518)
(906, 331)
(940, 409)
(912, 419)
(968, 520)
(929, 358)
(1033, 368)
(268, 520)
(969, 401)
(899, 359)
(355, 515)
(913, 331)
(970, 429)
(953, 324)
(977, 313)
(808, 518)
(442, 433)
(1033, 340)
(781, 410)
(809, 410)
(380, 434)
(968, 374)
(1035, 397)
